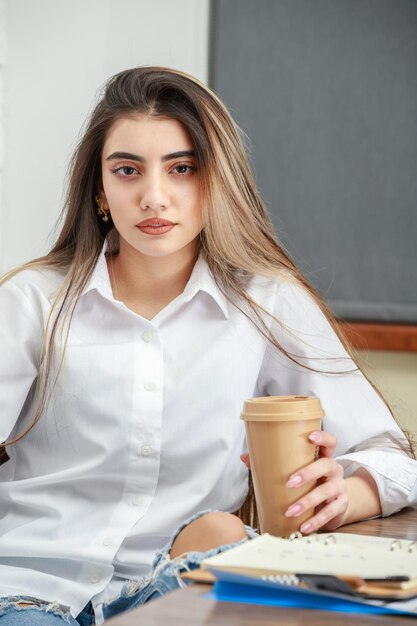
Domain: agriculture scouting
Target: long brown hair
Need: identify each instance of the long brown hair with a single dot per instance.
(237, 240)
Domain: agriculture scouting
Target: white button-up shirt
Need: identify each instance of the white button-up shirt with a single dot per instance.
(142, 429)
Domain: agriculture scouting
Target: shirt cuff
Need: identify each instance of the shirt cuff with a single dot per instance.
(394, 474)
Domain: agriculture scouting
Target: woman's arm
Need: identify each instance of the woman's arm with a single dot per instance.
(363, 497)
(21, 335)
(372, 472)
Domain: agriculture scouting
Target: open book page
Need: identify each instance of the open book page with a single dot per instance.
(336, 554)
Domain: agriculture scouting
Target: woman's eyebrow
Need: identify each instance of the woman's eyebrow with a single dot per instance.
(135, 157)
(125, 155)
(178, 155)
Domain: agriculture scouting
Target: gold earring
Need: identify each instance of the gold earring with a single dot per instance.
(101, 211)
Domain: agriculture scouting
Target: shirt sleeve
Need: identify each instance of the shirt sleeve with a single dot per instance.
(21, 336)
(367, 434)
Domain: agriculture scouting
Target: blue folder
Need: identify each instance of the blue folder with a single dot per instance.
(232, 587)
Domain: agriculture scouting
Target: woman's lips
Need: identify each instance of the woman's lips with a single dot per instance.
(155, 226)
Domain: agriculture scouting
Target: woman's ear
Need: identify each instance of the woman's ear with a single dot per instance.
(103, 209)
(101, 196)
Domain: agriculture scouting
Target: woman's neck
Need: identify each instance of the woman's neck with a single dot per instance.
(147, 284)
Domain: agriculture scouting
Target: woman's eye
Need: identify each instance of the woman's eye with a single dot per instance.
(125, 170)
(184, 168)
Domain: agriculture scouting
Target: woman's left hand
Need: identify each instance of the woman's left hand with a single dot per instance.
(329, 498)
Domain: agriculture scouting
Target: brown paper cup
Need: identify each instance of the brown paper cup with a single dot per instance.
(277, 429)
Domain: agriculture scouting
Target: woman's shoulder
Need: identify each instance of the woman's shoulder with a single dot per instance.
(282, 291)
(300, 321)
(35, 284)
(291, 303)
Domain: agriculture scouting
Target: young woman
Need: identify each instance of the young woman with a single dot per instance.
(127, 353)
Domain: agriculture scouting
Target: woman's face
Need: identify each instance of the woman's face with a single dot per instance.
(151, 186)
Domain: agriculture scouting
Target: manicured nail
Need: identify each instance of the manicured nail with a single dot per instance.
(314, 437)
(293, 510)
(293, 481)
(305, 528)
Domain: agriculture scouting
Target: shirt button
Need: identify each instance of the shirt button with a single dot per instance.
(149, 386)
(147, 336)
(136, 501)
(107, 541)
(95, 579)
(146, 450)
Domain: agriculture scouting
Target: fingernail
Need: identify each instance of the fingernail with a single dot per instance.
(305, 528)
(293, 510)
(314, 437)
(293, 481)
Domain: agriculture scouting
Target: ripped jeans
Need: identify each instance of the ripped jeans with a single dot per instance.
(163, 577)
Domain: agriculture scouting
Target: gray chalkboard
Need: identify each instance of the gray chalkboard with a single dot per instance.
(326, 90)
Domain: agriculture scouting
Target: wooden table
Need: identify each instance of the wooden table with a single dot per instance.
(186, 607)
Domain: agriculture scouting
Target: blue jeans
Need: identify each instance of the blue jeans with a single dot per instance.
(164, 577)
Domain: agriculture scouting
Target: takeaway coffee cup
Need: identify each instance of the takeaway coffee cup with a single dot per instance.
(277, 430)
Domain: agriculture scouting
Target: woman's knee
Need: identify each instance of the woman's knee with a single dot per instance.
(207, 532)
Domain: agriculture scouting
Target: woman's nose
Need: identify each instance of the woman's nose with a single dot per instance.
(153, 193)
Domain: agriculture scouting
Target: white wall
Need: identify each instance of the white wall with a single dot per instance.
(58, 53)
(2, 98)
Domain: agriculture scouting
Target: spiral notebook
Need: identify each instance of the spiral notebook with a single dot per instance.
(354, 567)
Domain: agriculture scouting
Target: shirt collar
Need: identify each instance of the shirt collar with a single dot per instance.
(201, 279)
(99, 279)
